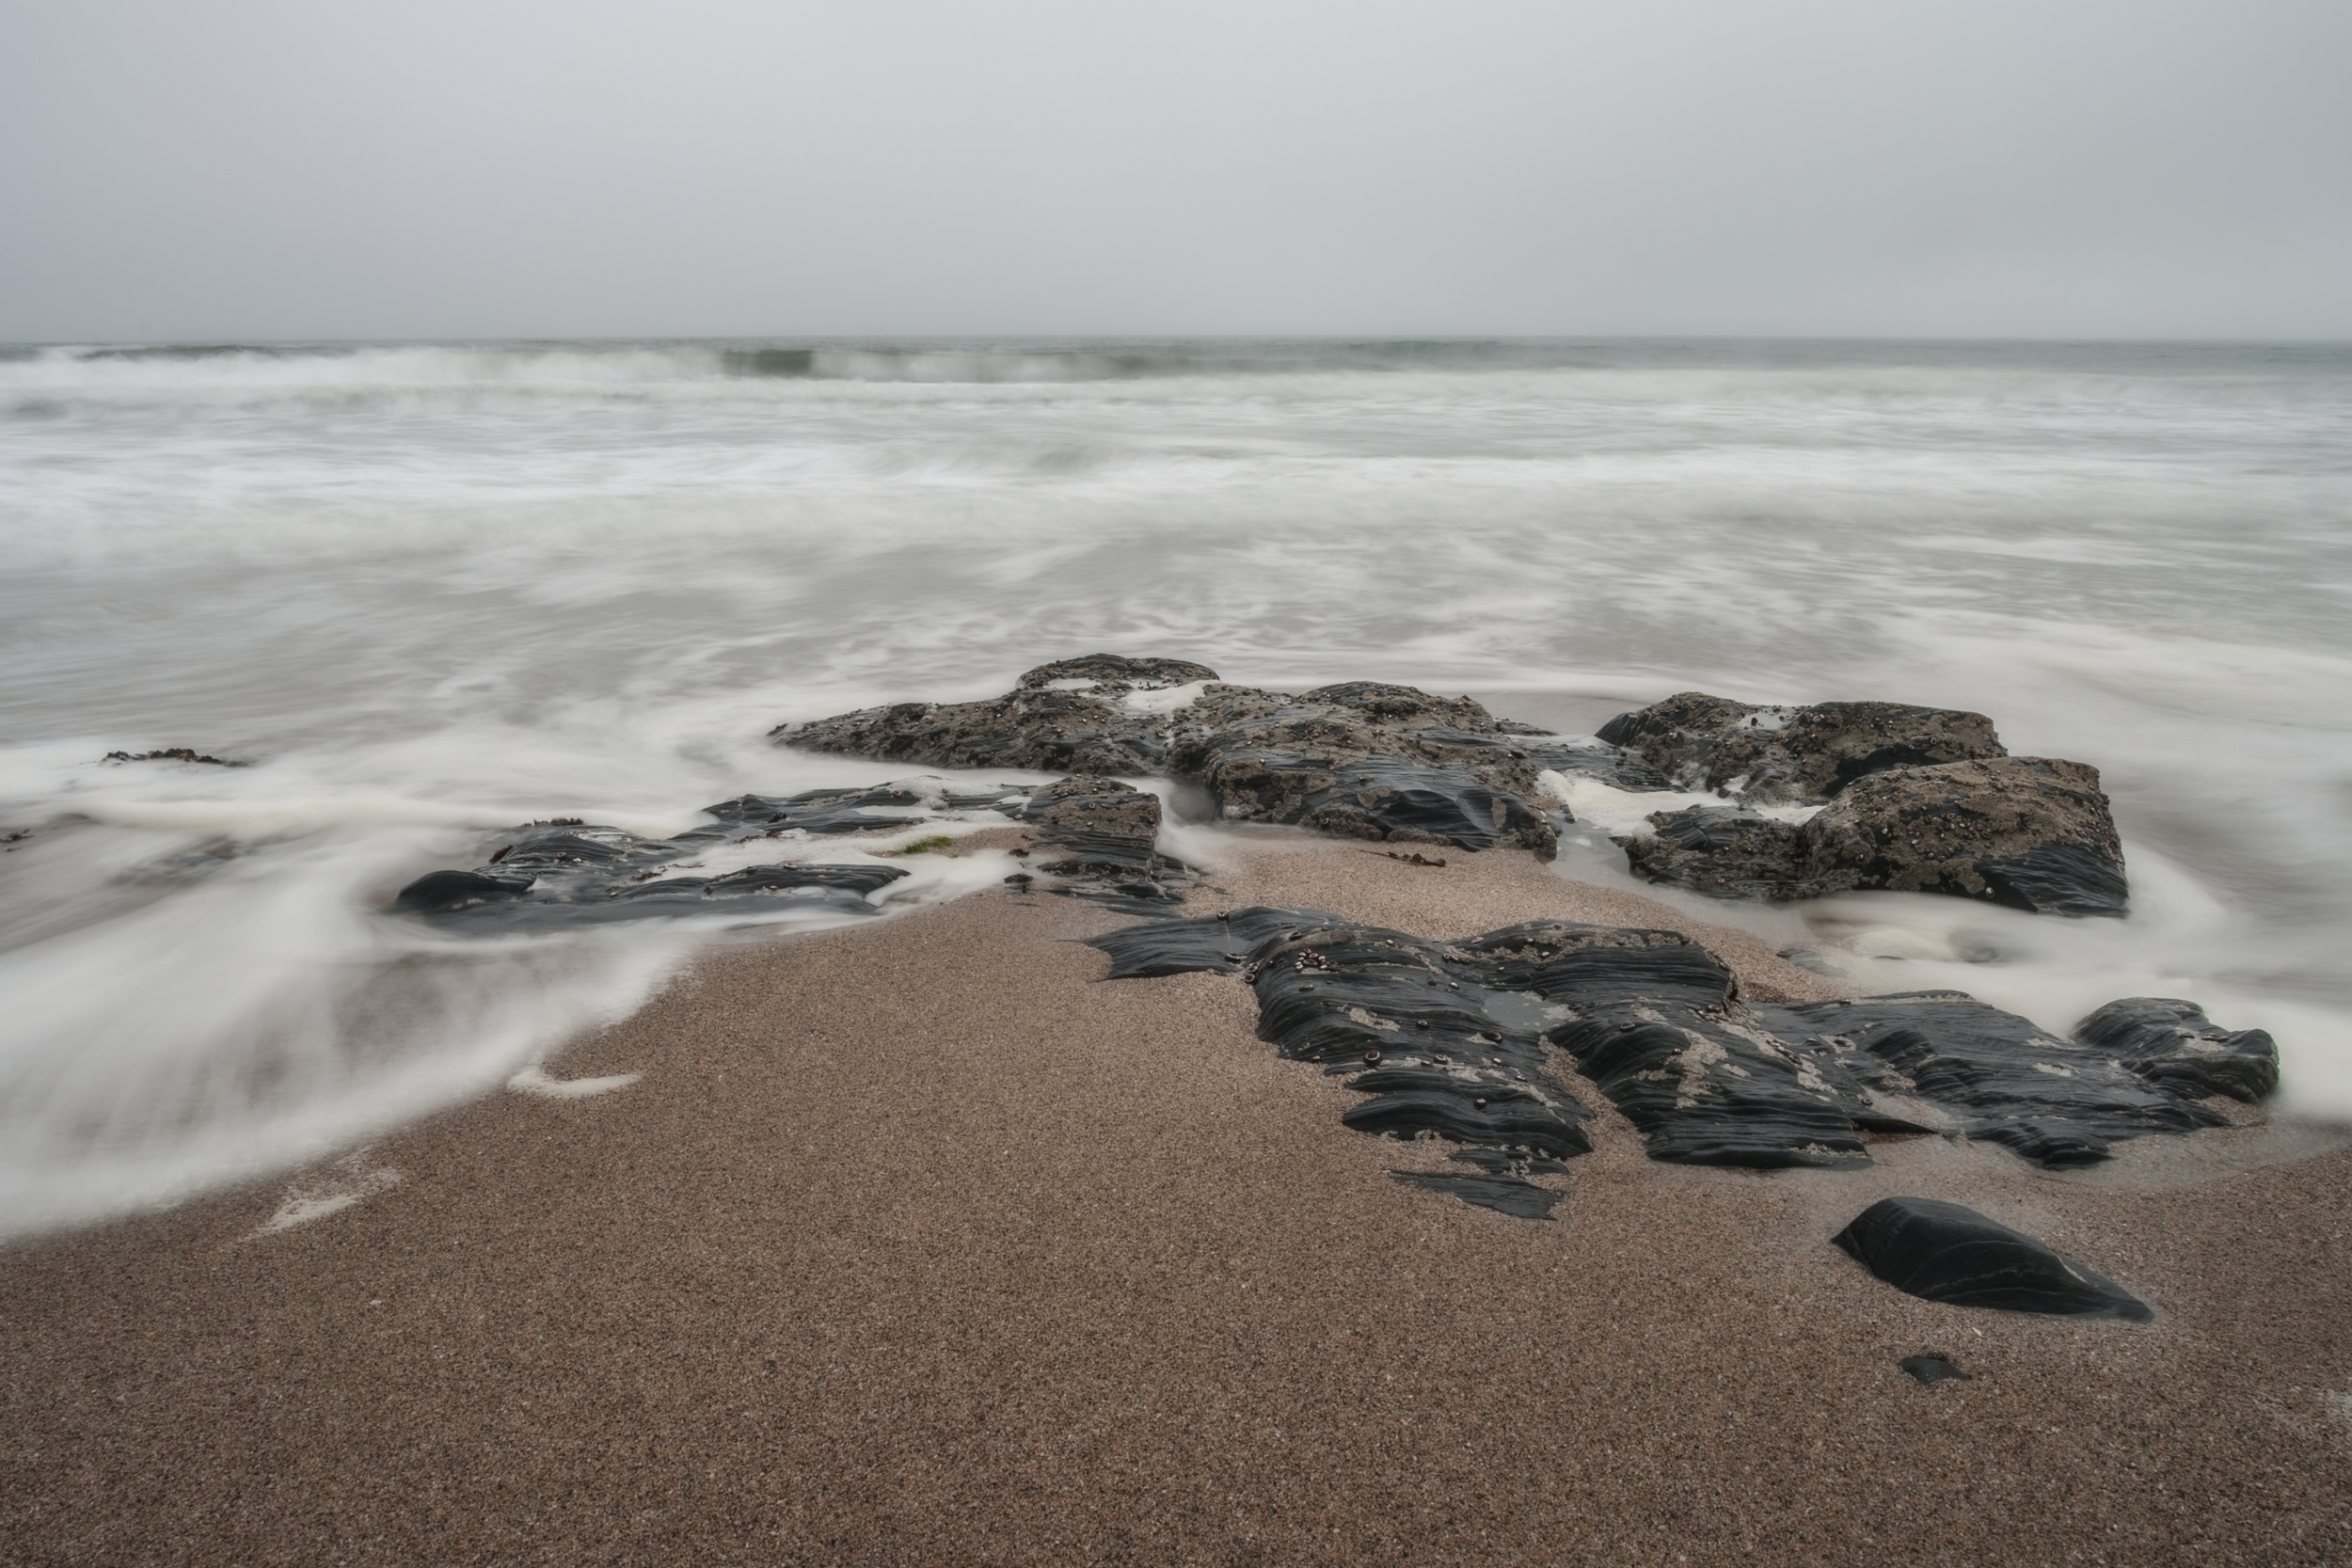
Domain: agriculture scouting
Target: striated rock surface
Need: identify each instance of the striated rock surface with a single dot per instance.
(566, 872)
(581, 873)
(1359, 759)
(1104, 836)
(2174, 1045)
(1470, 1042)
(1945, 1253)
(1959, 1063)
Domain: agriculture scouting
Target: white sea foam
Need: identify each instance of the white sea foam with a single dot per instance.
(435, 592)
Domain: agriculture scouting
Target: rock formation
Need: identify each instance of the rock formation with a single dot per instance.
(1361, 759)
(1473, 1041)
(1913, 800)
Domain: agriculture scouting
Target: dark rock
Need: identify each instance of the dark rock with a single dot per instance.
(1942, 1252)
(1096, 809)
(1720, 849)
(2030, 832)
(1107, 837)
(1218, 944)
(1655, 1022)
(2174, 1045)
(1503, 1161)
(587, 875)
(448, 892)
(1994, 1076)
(1359, 758)
(1114, 672)
(852, 810)
(1504, 1195)
(1769, 755)
(1928, 1370)
(175, 753)
(1450, 1038)
(1364, 761)
(566, 872)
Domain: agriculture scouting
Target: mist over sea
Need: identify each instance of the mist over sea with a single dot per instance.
(434, 591)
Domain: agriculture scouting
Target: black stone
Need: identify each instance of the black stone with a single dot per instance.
(1932, 1369)
(448, 892)
(1996, 1077)
(1505, 1195)
(852, 810)
(2174, 1046)
(1432, 1029)
(1943, 1252)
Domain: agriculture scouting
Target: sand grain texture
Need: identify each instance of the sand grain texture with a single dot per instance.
(915, 1245)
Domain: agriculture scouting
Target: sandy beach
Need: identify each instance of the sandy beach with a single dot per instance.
(913, 1243)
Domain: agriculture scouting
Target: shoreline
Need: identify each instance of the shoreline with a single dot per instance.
(912, 1244)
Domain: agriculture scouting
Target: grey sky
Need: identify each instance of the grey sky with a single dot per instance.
(529, 167)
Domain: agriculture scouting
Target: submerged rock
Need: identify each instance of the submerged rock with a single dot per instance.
(582, 875)
(2174, 1045)
(1359, 758)
(566, 872)
(1943, 1252)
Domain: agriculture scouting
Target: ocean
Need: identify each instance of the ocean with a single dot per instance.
(429, 591)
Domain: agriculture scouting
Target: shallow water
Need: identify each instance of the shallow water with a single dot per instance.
(435, 591)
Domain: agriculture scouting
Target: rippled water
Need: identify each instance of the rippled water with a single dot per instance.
(432, 591)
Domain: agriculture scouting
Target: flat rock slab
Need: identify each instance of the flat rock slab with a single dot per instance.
(565, 873)
(1945, 1253)
(1504, 1195)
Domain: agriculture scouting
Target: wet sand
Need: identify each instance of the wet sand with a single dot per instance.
(913, 1244)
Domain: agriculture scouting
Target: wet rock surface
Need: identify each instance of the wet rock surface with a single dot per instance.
(1945, 1253)
(1942, 1059)
(2030, 832)
(566, 872)
(1913, 799)
(1102, 838)
(2174, 1045)
(1359, 758)
(1474, 1041)
(581, 873)
(1783, 756)
(1098, 714)
(173, 753)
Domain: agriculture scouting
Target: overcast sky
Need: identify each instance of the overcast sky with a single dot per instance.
(338, 168)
